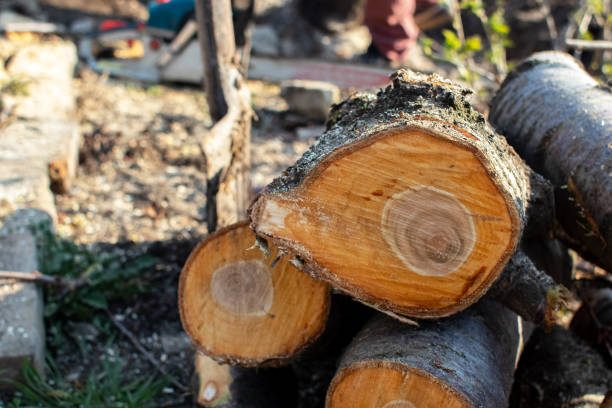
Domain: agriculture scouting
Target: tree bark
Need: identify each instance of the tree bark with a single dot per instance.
(559, 119)
(467, 360)
(593, 321)
(243, 307)
(226, 149)
(409, 201)
(528, 291)
(558, 369)
(227, 145)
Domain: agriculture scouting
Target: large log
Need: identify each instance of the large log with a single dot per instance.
(409, 201)
(243, 307)
(560, 119)
(467, 360)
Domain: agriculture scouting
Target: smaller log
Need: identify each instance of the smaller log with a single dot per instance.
(242, 307)
(528, 291)
(559, 369)
(223, 386)
(551, 257)
(467, 360)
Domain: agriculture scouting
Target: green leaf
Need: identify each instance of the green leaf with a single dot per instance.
(95, 299)
(451, 41)
(473, 43)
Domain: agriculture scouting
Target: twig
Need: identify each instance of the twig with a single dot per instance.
(37, 277)
(144, 352)
(588, 44)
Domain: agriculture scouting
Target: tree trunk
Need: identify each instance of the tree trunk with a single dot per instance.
(409, 201)
(558, 369)
(247, 308)
(226, 146)
(559, 119)
(467, 360)
(226, 149)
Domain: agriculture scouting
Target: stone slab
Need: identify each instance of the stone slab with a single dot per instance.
(22, 333)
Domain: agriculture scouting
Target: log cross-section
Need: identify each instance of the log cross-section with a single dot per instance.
(409, 201)
(240, 307)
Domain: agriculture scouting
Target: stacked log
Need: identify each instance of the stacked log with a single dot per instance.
(413, 205)
(409, 201)
(560, 119)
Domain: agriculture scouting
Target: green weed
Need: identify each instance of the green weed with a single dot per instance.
(98, 277)
(104, 388)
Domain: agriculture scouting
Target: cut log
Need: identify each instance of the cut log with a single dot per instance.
(224, 386)
(558, 369)
(240, 307)
(467, 360)
(409, 201)
(560, 120)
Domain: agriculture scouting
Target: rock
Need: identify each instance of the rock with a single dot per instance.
(265, 41)
(174, 343)
(22, 333)
(310, 98)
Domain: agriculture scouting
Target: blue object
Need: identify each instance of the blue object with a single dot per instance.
(171, 15)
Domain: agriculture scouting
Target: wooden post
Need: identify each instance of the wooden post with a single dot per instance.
(226, 146)
(227, 152)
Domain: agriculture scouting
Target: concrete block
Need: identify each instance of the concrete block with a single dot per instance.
(45, 130)
(310, 98)
(22, 333)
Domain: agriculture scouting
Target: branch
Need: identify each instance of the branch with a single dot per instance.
(124, 330)
(37, 277)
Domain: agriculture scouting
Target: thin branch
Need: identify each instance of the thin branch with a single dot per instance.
(588, 44)
(37, 277)
(130, 336)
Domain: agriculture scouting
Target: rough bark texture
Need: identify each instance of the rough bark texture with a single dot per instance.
(528, 291)
(593, 321)
(472, 354)
(437, 107)
(226, 147)
(560, 120)
(558, 369)
(551, 257)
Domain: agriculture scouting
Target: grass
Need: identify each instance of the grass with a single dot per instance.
(104, 388)
(103, 277)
